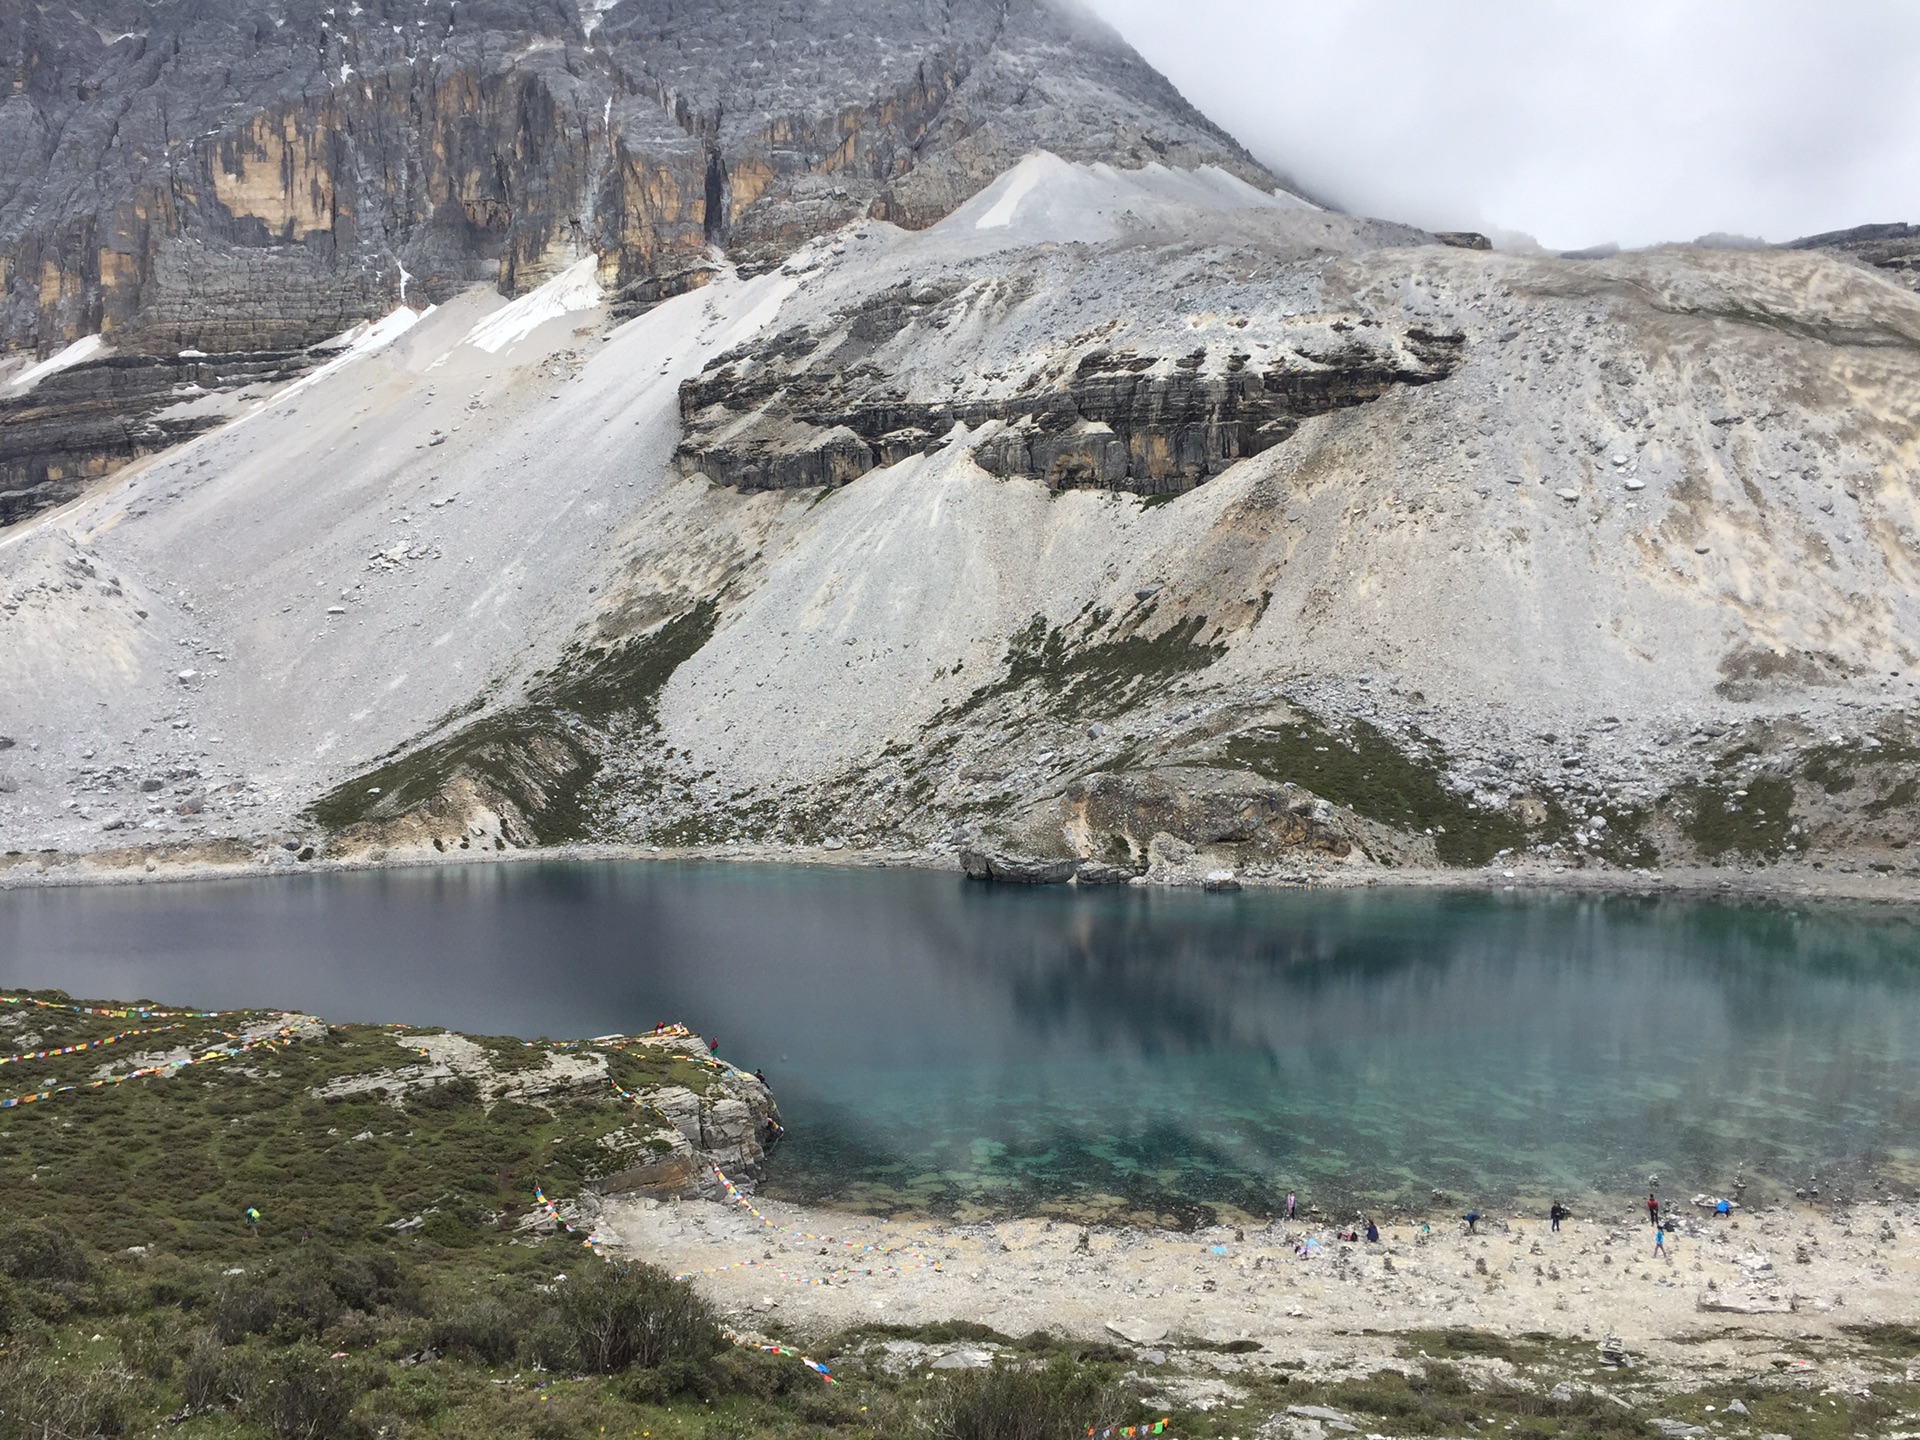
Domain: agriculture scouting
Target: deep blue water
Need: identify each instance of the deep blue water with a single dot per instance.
(937, 1043)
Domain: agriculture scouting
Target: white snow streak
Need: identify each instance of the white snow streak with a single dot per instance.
(79, 350)
(1025, 176)
(575, 288)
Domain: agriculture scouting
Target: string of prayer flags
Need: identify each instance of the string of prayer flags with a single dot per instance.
(1124, 1432)
(169, 1067)
(734, 1194)
(60, 1050)
(553, 1213)
(133, 1012)
(811, 1364)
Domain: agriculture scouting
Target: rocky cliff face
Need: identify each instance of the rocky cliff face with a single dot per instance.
(1128, 520)
(809, 410)
(241, 177)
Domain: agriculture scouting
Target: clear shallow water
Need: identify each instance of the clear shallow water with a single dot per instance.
(946, 1045)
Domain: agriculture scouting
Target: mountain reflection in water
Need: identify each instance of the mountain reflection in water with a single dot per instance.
(938, 1044)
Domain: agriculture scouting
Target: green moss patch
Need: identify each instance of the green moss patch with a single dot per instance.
(1755, 825)
(541, 755)
(1086, 668)
(1361, 768)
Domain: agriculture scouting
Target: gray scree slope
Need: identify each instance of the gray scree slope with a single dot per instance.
(1126, 516)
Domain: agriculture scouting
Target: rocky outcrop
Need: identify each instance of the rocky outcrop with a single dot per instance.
(1013, 869)
(1167, 816)
(1894, 249)
(730, 1122)
(814, 409)
(83, 422)
(217, 178)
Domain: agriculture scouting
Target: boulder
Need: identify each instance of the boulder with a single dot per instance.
(1016, 869)
(1164, 817)
(1138, 1331)
(1096, 872)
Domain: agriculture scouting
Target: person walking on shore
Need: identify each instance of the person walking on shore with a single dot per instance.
(1659, 1239)
(1558, 1213)
(1293, 1205)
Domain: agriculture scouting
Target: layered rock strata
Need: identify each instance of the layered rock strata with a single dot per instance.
(217, 177)
(80, 423)
(817, 410)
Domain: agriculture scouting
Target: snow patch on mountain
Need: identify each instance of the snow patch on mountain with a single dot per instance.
(575, 288)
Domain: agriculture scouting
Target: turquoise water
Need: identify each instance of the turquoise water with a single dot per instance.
(941, 1045)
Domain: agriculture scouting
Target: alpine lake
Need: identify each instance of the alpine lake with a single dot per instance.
(940, 1046)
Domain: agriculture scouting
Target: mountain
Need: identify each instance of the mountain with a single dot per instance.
(211, 186)
(1062, 491)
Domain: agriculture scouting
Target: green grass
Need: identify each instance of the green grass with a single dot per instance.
(1757, 825)
(133, 1287)
(541, 755)
(326, 1321)
(1084, 669)
(1361, 768)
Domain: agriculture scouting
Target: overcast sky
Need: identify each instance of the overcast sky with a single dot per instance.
(1633, 121)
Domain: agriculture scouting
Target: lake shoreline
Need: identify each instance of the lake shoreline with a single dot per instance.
(1747, 1293)
(231, 860)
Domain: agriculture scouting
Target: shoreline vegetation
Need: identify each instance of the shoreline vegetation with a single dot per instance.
(257, 1223)
(227, 860)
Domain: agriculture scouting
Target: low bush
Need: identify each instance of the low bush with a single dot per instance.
(1055, 1402)
(617, 1316)
(488, 1329)
(43, 1250)
(305, 1396)
(41, 1401)
(215, 1377)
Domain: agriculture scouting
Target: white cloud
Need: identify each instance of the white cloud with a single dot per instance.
(1628, 120)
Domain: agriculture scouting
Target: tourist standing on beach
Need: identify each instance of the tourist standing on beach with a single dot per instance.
(1292, 1205)
(1653, 1209)
(1558, 1213)
(1472, 1217)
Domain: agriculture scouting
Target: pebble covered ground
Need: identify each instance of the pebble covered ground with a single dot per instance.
(1787, 1292)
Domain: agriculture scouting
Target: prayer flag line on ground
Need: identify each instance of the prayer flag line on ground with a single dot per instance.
(170, 1067)
(733, 1194)
(142, 1012)
(60, 1050)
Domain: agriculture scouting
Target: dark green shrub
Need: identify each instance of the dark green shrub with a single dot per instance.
(445, 1096)
(613, 1317)
(305, 1396)
(304, 1304)
(244, 1308)
(212, 1377)
(488, 1330)
(1057, 1402)
(152, 1346)
(43, 1250)
(41, 1402)
(445, 1228)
